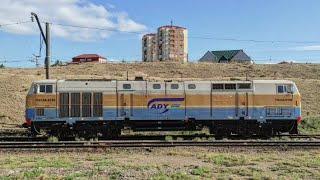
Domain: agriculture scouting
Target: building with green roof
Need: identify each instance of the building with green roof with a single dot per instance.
(226, 56)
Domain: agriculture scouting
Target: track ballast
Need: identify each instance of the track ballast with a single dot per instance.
(163, 137)
(156, 143)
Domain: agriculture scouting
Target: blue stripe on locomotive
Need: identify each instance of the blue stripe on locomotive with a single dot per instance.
(257, 113)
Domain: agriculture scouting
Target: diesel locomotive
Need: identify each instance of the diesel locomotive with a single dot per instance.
(99, 107)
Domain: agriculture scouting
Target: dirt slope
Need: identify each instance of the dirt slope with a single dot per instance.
(14, 83)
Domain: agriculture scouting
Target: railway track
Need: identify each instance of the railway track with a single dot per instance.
(196, 137)
(158, 143)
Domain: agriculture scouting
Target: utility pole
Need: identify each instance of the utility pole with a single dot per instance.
(48, 45)
(46, 39)
(127, 76)
(36, 59)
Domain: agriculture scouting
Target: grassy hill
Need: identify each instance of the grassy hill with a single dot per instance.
(14, 82)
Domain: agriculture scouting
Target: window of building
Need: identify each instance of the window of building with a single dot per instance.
(174, 86)
(230, 86)
(126, 86)
(244, 86)
(156, 86)
(217, 86)
(40, 112)
(191, 86)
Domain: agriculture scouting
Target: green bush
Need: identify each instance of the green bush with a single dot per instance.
(201, 171)
(310, 125)
(53, 139)
(227, 160)
(168, 138)
(33, 173)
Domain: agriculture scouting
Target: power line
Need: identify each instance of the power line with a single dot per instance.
(13, 61)
(14, 23)
(190, 37)
(195, 37)
(97, 28)
(252, 40)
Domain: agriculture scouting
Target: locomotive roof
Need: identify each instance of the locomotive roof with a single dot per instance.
(272, 81)
(204, 81)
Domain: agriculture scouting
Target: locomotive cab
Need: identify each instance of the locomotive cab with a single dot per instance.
(39, 88)
(40, 101)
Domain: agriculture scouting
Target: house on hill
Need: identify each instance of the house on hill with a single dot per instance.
(89, 58)
(226, 56)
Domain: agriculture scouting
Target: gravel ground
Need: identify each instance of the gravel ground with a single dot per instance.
(162, 163)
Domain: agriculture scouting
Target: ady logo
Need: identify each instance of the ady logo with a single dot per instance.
(162, 105)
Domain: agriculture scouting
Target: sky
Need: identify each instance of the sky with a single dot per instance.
(268, 31)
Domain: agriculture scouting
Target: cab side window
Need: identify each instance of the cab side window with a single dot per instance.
(45, 88)
(42, 88)
(48, 88)
(282, 89)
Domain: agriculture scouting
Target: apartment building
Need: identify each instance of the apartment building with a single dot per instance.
(149, 47)
(170, 43)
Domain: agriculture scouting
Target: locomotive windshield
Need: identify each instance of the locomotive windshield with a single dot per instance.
(286, 88)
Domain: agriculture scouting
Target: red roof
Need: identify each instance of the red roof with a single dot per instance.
(85, 56)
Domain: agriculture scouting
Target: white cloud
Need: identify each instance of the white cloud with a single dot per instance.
(307, 48)
(125, 23)
(74, 12)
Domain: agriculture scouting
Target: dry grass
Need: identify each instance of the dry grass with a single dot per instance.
(167, 163)
(14, 83)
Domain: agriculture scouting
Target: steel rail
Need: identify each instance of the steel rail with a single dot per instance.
(160, 137)
(158, 143)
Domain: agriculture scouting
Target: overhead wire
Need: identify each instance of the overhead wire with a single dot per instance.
(97, 28)
(191, 37)
(142, 32)
(15, 23)
(252, 40)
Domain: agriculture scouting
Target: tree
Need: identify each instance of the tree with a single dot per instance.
(57, 63)
(2, 66)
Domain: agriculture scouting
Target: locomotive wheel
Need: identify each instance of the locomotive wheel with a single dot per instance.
(112, 131)
(267, 133)
(62, 134)
(220, 134)
(86, 131)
